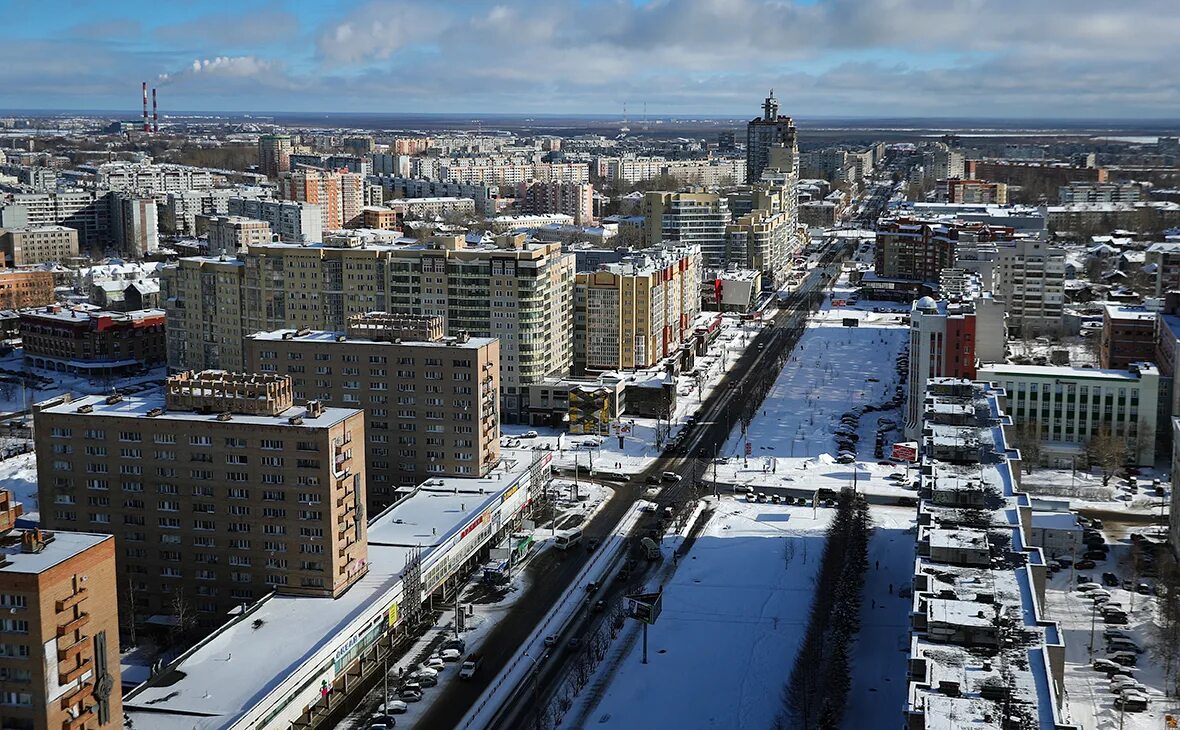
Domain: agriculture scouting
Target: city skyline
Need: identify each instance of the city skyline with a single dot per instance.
(827, 58)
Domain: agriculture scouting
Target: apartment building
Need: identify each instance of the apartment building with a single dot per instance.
(1149, 216)
(351, 163)
(431, 402)
(59, 638)
(1128, 336)
(971, 192)
(632, 314)
(294, 221)
(88, 212)
(554, 196)
(1030, 281)
(233, 233)
(940, 162)
(429, 208)
(149, 179)
(486, 197)
(340, 195)
(762, 133)
(920, 248)
(692, 219)
(1165, 260)
(179, 212)
(1088, 192)
(44, 244)
(762, 241)
(485, 171)
(218, 492)
(88, 341)
(274, 155)
(134, 224)
(20, 289)
(1069, 405)
(516, 290)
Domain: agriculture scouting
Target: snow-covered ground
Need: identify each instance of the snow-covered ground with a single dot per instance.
(639, 447)
(14, 398)
(1090, 701)
(19, 476)
(733, 615)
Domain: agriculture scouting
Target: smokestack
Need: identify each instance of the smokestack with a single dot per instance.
(155, 115)
(146, 128)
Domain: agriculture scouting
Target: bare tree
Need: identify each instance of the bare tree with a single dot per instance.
(183, 616)
(1166, 647)
(1108, 451)
(1028, 440)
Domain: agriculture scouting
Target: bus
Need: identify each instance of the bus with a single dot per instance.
(567, 539)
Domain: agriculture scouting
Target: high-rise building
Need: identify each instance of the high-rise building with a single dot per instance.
(59, 666)
(148, 179)
(972, 192)
(293, 221)
(340, 195)
(764, 132)
(1030, 281)
(630, 315)
(230, 234)
(87, 212)
(919, 249)
(692, 219)
(554, 196)
(513, 289)
(134, 224)
(431, 402)
(45, 244)
(218, 492)
(1128, 336)
(274, 155)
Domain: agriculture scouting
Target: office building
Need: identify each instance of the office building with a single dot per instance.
(691, 219)
(230, 234)
(274, 155)
(431, 402)
(218, 492)
(554, 196)
(982, 653)
(45, 244)
(764, 132)
(632, 314)
(59, 638)
(134, 224)
(27, 288)
(89, 341)
(298, 222)
(1030, 281)
(1070, 405)
(512, 289)
(1128, 336)
(339, 195)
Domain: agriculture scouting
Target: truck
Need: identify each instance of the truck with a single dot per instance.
(470, 665)
(650, 549)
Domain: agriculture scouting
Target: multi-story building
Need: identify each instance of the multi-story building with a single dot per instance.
(1147, 216)
(1174, 511)
(89, 341)
(428, 208)
(410, 145)
(692, 219)
(940, 162)
(919, 249)
(134, 225)
(340, 195)
(1164, 258)
(474, 171)
(1128, 336)
(554, 196)
(59, 638)
(764, 132)
(293, 221)
(88, 212)
(1069, 405)
(351, 163)
(486, 197)
(45, 244)
(1088, 192)
(632, 314)
(982, 653)
(180, 211)
(431, 403)
(516, 290)
(761, 241)
(274, 155)
(1030, 281)
(147, 179)
(36, 178)
(218, 492)
(982, 192)
(230, 234)
(20, 289)
(506, 223)
(1031, 173)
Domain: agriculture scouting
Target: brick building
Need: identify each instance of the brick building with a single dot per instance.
(91, 341)
(21, 289)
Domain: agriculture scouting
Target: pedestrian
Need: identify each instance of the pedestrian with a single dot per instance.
(874, 603)
(878, 565)
(891, 589)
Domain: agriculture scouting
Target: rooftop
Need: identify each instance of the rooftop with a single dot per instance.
(58, 548)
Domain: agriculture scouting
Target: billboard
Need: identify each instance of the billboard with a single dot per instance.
(905, 451)
(645, 607)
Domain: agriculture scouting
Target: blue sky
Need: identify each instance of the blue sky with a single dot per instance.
(847, 58)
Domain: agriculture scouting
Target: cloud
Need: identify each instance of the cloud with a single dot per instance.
(376, 31)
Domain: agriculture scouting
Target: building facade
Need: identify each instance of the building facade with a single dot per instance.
(554, 196)
(230, 234)
(92, 342)
(291, 220)
(919, 249)
(1030, 281)
(274, 155)
(31, 246)
(764, 132)
(217, 493)
(134, 224)
(340, 195)
(21, 289)
(691, 219)
(1128, 336)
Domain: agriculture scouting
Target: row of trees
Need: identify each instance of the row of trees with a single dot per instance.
(1104, 449)
(817, 690)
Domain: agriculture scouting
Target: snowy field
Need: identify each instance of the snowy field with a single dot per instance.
(734, 613)
(1090, 701)
(19, 476)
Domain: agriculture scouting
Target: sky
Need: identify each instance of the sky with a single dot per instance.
(1036, 59)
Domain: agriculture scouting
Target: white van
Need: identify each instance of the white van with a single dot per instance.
(567, 539)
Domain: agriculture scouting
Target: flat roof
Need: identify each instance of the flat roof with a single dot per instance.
(960, 613)
(234, 669)
(1054, 371)
(137, 407)
(61, 548)
(472, 343)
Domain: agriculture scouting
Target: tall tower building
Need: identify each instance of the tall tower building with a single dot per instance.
(274, 154)
(764, 132)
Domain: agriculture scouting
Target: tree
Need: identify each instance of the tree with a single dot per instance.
(1166, 647)
(1108, 451)
(1028, 440)
(183, 617)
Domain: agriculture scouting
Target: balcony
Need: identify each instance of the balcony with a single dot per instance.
(71, 601)
(73, 625)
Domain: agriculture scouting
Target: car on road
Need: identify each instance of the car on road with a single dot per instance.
(611, 477)
(1110, 579)
(470, 666)
(575, 642)
(599, 606)
(529, 435)
(671, 476)
(652, 479)
(380, 725)
(592, 586)
(550, 641)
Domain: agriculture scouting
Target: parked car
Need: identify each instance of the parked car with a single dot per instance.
(529, 435)
(1094, 555)
(653, 479)
(424, 680)
(434, 663)
(1085, 564)
(1144, 589)
(1088, 586)
(1105, 666)
(450, 655)
(671, 476)
(1110, 579)
(1115, 618)
(1131, 702)
(410, 694)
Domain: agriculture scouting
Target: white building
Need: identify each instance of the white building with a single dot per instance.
(294, 221)
(1030, 281)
